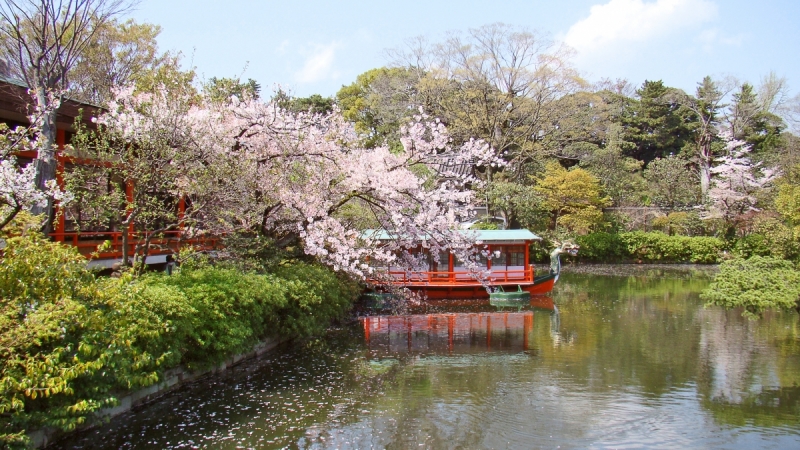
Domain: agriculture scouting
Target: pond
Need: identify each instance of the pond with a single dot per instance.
(616, 357)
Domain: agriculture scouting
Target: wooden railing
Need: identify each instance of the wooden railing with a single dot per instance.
(434, 278)
(166, 242)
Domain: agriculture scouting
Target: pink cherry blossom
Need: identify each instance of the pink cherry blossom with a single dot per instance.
(304, 176)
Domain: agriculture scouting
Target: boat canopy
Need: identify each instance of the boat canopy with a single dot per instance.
(482, 236)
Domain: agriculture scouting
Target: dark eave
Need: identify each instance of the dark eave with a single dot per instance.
(16, 104)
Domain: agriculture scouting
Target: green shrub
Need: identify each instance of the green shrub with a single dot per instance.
(232, 310)
(704, 250)
(649, 247)
(47, 320)
(144, 328)
(600, 247)
(69, 341)
(316, 295)
(755, 244)
(778, 238)
(756, 284)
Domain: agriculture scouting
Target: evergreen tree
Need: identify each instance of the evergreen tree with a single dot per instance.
(656, 123)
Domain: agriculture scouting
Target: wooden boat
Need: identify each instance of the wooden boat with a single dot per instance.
(507, 269)
(502, 298)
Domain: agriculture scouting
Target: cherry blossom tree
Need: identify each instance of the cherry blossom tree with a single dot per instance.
(308, 170)
(300, 177)
(736, 180)
(152, 152)
(43, 41)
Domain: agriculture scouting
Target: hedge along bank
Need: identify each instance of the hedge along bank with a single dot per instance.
(651, 247)
(72, 344)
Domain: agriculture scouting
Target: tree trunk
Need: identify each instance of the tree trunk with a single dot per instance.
(705, 178)
(706, 158)
(126, 239)
(45, 162)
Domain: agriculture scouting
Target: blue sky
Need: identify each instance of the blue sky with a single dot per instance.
(317, 46)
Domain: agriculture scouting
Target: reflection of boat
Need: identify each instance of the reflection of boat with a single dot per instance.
(449, 332)
(540, 303)
(506, 268)
(467, 326)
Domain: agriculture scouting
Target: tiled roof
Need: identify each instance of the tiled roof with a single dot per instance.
(446, 166)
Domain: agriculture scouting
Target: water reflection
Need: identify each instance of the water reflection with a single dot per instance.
(480, 326)
(448, 333)
(608, 361)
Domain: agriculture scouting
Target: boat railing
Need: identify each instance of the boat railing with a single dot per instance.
(516, 274)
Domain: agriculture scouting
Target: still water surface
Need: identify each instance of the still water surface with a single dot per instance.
(615, 358)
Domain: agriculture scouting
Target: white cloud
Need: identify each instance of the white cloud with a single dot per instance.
(619, 23)
(318, 65)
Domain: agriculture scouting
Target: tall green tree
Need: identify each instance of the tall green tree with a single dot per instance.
(378, 102)
(313, 104)
(522, 206)
(672, 182)
(656, 122)
(749, 121)
(118, 54)
(620, 175)
(498, 83)
(787, 203)
(222, 90)
(707, 106)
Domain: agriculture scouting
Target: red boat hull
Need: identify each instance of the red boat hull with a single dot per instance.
(478, 291)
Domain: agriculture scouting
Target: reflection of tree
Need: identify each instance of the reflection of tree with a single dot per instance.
(726, 354)
(749, 371)
(767, 408)
(631, 330)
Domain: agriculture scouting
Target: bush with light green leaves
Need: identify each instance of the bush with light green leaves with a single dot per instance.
(755, 284)
(71, 343)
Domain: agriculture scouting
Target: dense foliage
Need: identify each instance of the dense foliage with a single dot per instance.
(652, 247)
(70, 342)
(756, 284)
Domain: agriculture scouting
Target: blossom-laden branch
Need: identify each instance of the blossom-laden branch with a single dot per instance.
(283, 174)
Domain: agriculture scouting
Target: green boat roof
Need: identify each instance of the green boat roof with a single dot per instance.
(482, 235)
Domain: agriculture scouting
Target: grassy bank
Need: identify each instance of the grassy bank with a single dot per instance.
(71, 343)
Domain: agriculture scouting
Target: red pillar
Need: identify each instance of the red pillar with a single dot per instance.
(408, 324)
(451, 324)
(130, 230)
(181, 209)
(528, 260)
(450, 266)
(526, 329)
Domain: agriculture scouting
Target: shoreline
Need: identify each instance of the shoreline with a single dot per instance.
(173, 379)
